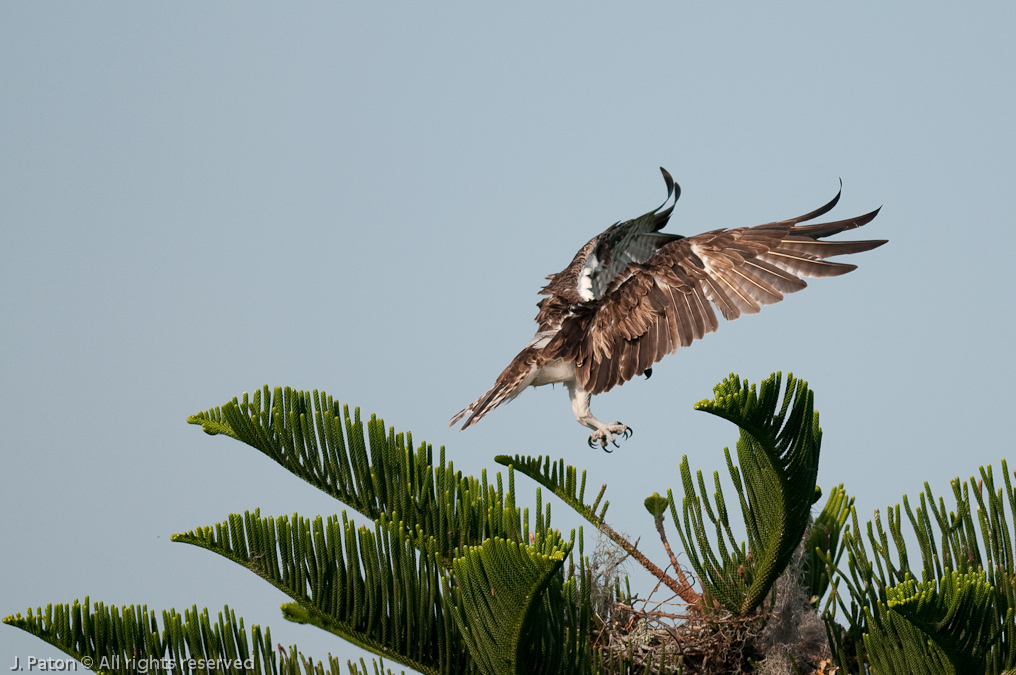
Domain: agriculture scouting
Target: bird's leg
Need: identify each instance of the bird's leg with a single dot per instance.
(602, 433)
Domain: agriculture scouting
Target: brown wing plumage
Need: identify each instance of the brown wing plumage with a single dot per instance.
(655, 307)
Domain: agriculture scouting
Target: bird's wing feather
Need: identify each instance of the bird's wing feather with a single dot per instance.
(608, 254)
(667, 302)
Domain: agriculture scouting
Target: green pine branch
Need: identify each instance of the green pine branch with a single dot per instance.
(130, 640)
(361, 668)
(380, 589)
(777, 453)
(957, 612)
(972, 538)
(509, 605)
(824, 545)
(562, 480)
(372, 470)
(894, 645)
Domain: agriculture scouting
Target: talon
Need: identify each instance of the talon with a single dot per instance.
(610, 433)
(648, 373)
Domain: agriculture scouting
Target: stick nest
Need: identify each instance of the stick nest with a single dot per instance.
(787, 636)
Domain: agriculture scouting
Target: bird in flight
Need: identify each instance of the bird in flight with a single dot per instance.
(634, 294)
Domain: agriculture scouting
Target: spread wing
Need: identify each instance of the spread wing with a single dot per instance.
(655, 307)
(597, 264)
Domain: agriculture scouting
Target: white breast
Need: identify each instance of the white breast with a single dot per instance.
(553, 372)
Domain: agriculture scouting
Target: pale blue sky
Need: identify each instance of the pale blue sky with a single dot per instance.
(199, 199)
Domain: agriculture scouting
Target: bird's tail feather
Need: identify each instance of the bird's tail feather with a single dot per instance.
(510, 383)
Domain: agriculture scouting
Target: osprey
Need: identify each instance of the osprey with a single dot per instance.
(634, 294)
